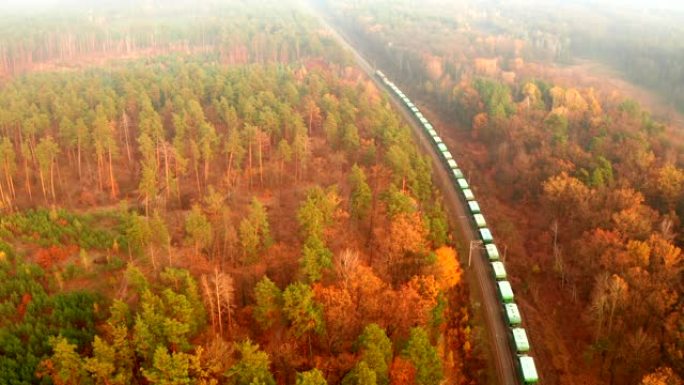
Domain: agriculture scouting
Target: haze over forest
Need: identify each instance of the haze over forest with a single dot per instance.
(354, 192)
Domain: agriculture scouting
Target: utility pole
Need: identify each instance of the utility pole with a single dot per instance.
(470, 250)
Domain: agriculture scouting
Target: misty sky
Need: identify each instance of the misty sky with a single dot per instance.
(51, 4)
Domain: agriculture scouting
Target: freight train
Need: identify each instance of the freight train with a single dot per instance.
(519, 342)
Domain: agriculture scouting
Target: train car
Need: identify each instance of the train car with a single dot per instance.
(468, 194)
(512, 314)
(422, 120)
(492, 252)
(380, 74)
(474, 208)
(462, 183)
(499, 270)
(432, 133)
(520, 341)
(486, 235)
(447, 155)
(479, 220)
(528, 370)
(458, 174)
(441, 146)
(451, 162)
(505, 291)
(428, 126)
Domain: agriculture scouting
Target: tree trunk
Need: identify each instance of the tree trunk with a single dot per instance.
(3, 198)
(218, 301)
(197, 178)
(100, 166)
(28, 178)
(42, 184)
(124, 119)
(112, 181)
(52, 180)
(230, 166)
(249, 172)
(261, 165)
(78, 150)
(167, 172)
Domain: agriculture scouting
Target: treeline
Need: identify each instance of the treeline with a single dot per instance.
(643, 44)
(595, 179)
(239, 32)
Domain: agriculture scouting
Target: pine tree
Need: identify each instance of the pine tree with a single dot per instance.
(65, 366)
(315, 257)
(252, 367)
(269, 302)
(254, 230)
(168, 369)
(361, 194)
(198, 229)
(46, 152)
(376, 352)
(424, 358)
(302, 311)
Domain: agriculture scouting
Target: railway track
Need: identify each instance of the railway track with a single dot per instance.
(508, 340)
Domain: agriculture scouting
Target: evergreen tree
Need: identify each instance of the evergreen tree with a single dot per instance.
(424, 358)
(315, 257)
(269, 302)
(252, 367)
(361, 194)
(302, 311)
(254, 231)
(168, 369)
(198, 229)
(376, 352)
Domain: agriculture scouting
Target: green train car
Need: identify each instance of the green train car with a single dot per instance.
(486, 235)
(528, 370)
(512, 314)
(474, 208)
(492, 252)
(520, 341)
(462, 183)
(458, 174)
(479, 220)
(505, 291)
(499, 270)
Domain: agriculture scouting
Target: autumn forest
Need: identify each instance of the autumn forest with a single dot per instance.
(217, 193)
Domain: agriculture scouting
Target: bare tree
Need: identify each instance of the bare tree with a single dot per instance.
(219, 293)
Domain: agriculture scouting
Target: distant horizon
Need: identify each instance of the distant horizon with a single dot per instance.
(43, 5)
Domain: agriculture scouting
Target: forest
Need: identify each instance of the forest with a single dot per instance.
(245, 209)
(584, 185)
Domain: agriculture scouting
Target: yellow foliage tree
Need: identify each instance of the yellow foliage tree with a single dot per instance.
(662, 376)
(447, 269)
